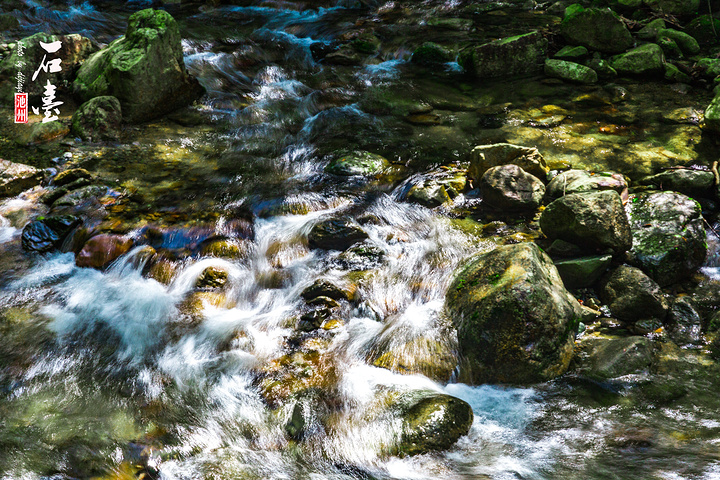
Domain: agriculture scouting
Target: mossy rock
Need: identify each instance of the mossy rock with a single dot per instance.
(570, 71)
(705, 29)
(596, 29)
(668, 235)
(515, 321)
(430, 53)
(572, 53)
(509, 187)
(611, 357)
(644, 60)
(687, 43)
(710, 67)
(420, 355)
(712, 116)
(650, 31)
(581, 181)
(223, 248)
(632, 296)
(70, 176)
(484, 157)
(690, 182)
(674, 7)
(325, 288)
(357, 163)
(506, 57)
(673, 74)
(98, 119)
(212, 278)
(669, 47)
(144, 69)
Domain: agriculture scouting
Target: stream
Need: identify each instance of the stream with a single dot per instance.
(116, 375)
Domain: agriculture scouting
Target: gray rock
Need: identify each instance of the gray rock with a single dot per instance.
(509, 187)
(580, 181)
(668, 235)
(632, 296)
(582, 272)
(357, 163)
(484, 157)
(607, 357)
(506, 57)
(592, 220)
(694, 183)
(335, 234)
(515, 321)
(17, 177)
(684, 323)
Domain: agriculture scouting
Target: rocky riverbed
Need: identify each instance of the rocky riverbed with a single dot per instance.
(360, 240)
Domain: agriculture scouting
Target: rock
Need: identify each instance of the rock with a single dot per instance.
(644, 60)
(420, 355)
(668, 235)
(430, 53)
(582, 272)
(363, 256)
(46, 233)
(345, 55)
(98, 119)
(506, 57)
(144, 69)
(16, 178)
(674, 75)
(710, 67)
(704, 29)
(163, 271)
(669, 47)
(687, 43)
(8, 22)
(335, 234)
(712, 116)
(563, 249)
(40, 132)
(674, 7)
(509, 187)
(693, 183)
(428, 194)
(74, 49)
(581, 181)
(101, 250)
(572, 72)
(684, 322)
(602, 68)
(591, 220)
(325, 288)
(81, 195)
(596, 29)
(212, 278)
(357, 163)
(611, 357)
(432, 421)
(515, 321)
(484, 157)
(650, 31)
(223, 248)
(632, 296)
(70, 176)
(570, 52)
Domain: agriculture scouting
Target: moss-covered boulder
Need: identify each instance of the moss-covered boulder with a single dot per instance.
(687, 43)
(572, 53)
(506, 57)
(580, 181)
(709, 67)
(570, 71)
(644, 60)
(674, 75)
(74, 49)
(16, 177)
(668, 235)
(674, 7)
(515, 321)
(712, 116)
(212, 278)
(509, 187)
(144, 69)
(335, 234)
(670, 47)
(357, 163)
(484, 157)
(597, 29)
(430, 53)
(632, 296)
(98, 119)
(431, 421)
(705, 29)
(591, 220)
(582, 272)
(650, 31)
(691, 182)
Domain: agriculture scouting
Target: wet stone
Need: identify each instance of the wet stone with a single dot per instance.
(632, 296)
(509, 187)
(16, 177)
(335, 234)
(582, 272)
(609, 357)
(324, 288)
(47, 233)
(212, 278)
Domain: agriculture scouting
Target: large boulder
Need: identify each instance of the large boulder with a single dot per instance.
(688, 45)
(509, 187)
(674, 7)
(505, 57)
(646, 59)
(515, 321)
(484, 157)
(592, 220)
(596, 29)
(432, 421)
(668, 235)
(98, 119)
(144, 69)
(632, 296)
(74, 49)
(691, 182)
(17, 177)
(582, 272)
(580, 181)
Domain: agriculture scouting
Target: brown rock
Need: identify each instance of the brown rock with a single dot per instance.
(101, 250)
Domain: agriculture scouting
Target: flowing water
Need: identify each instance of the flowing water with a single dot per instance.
(115, 375)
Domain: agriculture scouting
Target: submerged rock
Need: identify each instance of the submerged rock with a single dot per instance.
(611, 357)
(98, 119)
(632, 296)
(518, 55)
(668, 235)
(432, 421)
(509, 187)
(335, 234)
(16, 178)
(103, 249)
(357, 163)
(484, 157)
(144, 69)
(516, 323)
(596, 29)
(591, 220)
(430, 53)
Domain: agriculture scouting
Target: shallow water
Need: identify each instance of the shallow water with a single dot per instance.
(112, 373)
